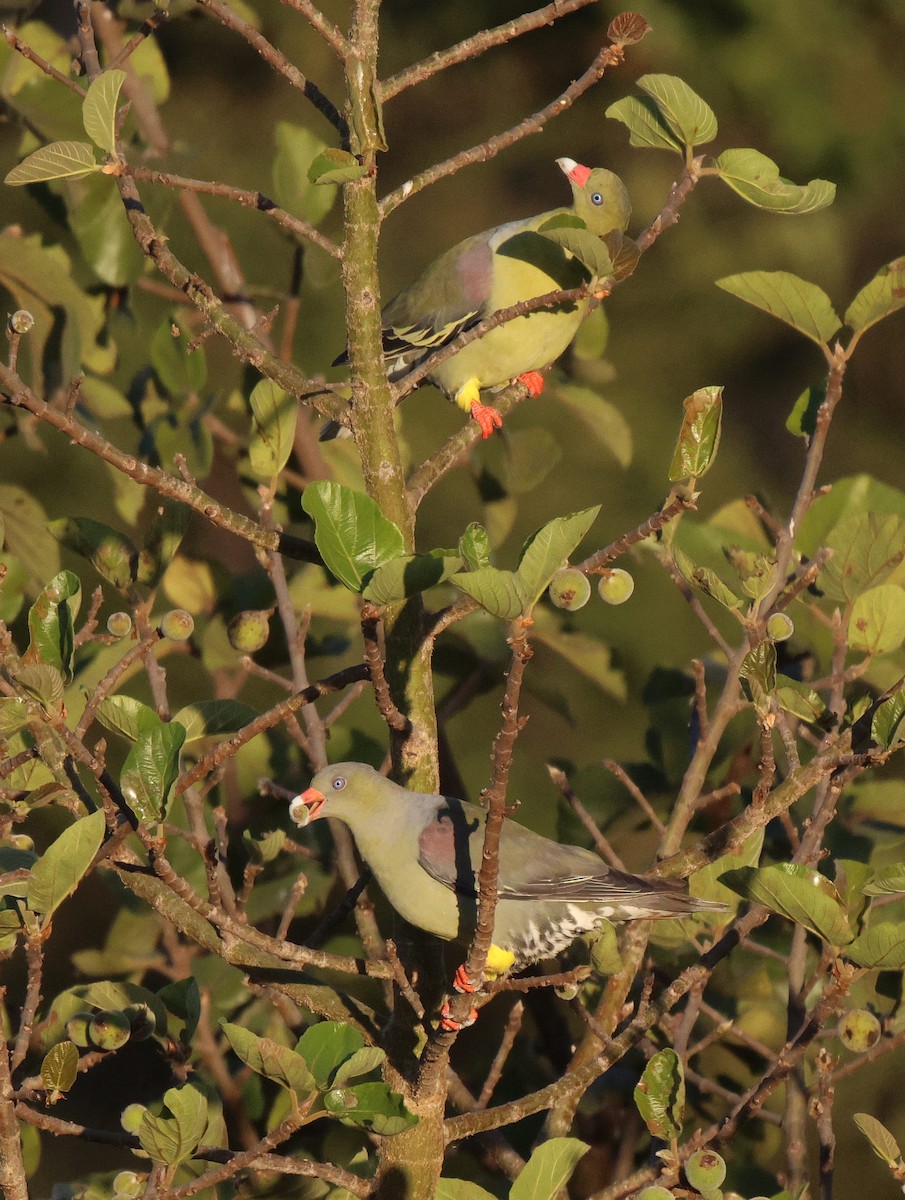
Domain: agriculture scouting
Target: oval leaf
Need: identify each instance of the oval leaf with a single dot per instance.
(880, 946)
(409, 575)
(866, 547)
(699, 435)
(549, 1169)
(63, 865)
(646, 127)
(51, 623)
(297, 147)
(497, 591)
(268, 1058)
(877, 623)
(151, 768)
(660, 1096)
(371, 1106)
(274, 415)
(60, 1067)
(803, 305)
(59, 160)
(352, 534)
(797, 892)
(687, 116)
(882, 1142)
(884, 294)
(99, 109)
(756, 179)
(545, 551)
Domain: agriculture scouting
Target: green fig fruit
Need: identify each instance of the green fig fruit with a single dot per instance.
(615, 586)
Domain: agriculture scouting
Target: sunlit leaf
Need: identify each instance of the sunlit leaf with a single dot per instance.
(549, 1169)
(59, 1069)
(880, 946)
(660, 1096)
(500, 592)
(699, 434)
(59, 160)
(797, 892)
(172, 1141)
(803, 305)
(51, 623)
(335, 166)
(99, 108)
(351, 533)
(267, 1057)
(151, 768)
(409, 575)
(64, 863)
(887, 720)
(882, 1142)
(866, 547)
(372, 1106)
(877, 623)
(544, 552)
(688, 117)
(274, 416)
(885, 294)
(756, 179)
(297, 147)
(645, 124)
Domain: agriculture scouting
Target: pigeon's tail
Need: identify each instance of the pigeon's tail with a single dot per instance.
(332, 430)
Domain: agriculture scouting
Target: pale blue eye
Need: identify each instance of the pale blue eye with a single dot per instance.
(339, 783)
(596, 198)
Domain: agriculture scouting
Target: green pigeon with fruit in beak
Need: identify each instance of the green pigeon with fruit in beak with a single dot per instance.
(425, 852)
(491, 271)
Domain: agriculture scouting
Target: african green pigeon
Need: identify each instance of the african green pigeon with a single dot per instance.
(426, 851)
(492, 271)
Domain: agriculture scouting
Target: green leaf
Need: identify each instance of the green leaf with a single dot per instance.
(51, 623)
(99, 108)
(409, 575)
(182, 1004)
(179, 370)
(64, 863)
(686, 115)
(124, 714)
(881, 946)
(866, 547)
(647, 129)
(59, 1070)
(604, 949)
(602, 419)
(461, 1189)
(174, 1141)
(274, 416)
(474, 547)
(59, 160)
(756, 179)
(43, 683)
(882, 1142)
(886, 883)
(887, 720)
(371, 1106)
(802, 420)
(297, 147)
(710, 584)
(325, 1046)
(549, 1169)
(500, 592)
(706, 883)
(111, 553)
(758, 674)
(797, 892)
(590, 250)
(885, 294)
(214, 718)
(877, 623)
(803, 305)
(797, 698)
(151, 768)
(335, 166)
(268, 1058)
(266, 848)
(546, 550)
(660, 1096)
(100, 224)
(351, 533)
(699, 434)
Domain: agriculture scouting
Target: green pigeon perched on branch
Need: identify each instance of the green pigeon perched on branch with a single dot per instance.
(495, 270)
(426, 852)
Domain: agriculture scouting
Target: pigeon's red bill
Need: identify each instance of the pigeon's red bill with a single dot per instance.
(307, 806)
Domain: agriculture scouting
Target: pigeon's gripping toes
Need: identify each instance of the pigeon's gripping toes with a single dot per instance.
(425, 852)
(489, 272)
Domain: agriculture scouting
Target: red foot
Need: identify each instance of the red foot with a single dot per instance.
(449, 1022)
(461, 982)
(487, 417)
(533, 381)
